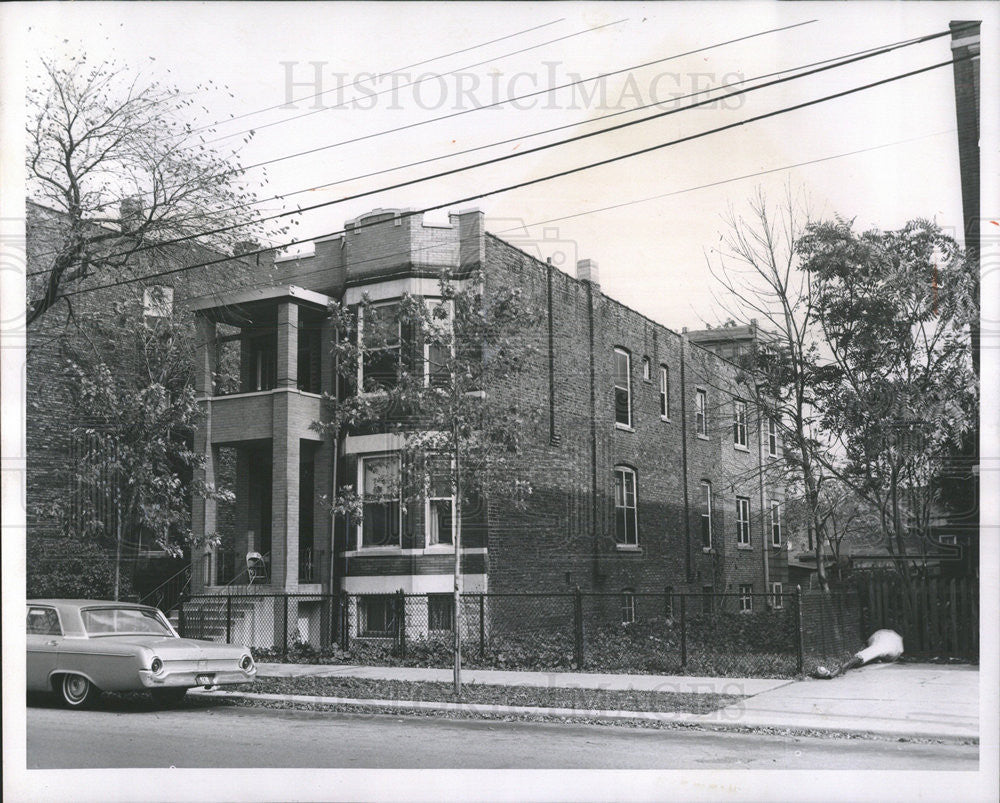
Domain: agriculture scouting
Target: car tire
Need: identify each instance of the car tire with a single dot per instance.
(169, 696)
(77, 692)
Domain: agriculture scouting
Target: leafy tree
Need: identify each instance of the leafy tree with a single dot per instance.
(439, 373)
(123, 167)
(135, 414)
(900, 392)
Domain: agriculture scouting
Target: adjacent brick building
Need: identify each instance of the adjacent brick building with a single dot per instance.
(648, 471)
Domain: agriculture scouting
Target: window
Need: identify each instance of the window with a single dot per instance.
(700, 416)
(706, 514)
(668, 607)
(707, 599)
(376, 615)
(743, 520)
(440, 502)
(628, 606)
(772, 437)
(776, 597)
(380, 483)
(43, 622)
(381, 341)
(626, 526)
(264, 362)
(437, 356)
(948, 540)
(158, 301)
(740, 424)
(623, 389)
(664, 392)
(645, 369)
(746, 597)
(440, 608)
(775, 523)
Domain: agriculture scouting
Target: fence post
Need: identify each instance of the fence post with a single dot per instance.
(799, 658)
(578, 628)
(345, 620)
(482, 627)
(401, 623)
(684, 640)
(229, 619)
(284, 630)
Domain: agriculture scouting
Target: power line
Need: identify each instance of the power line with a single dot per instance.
(529, 151)
(560, 174)
(656, 197)
(413, 83)
(512, 99)
(386, 72)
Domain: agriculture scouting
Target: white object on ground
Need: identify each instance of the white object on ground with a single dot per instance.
(885, 645)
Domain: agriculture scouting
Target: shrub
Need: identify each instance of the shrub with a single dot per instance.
(71, 568)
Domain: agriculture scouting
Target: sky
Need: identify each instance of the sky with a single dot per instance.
(654, 255)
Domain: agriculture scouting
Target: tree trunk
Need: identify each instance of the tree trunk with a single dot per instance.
(455, 623)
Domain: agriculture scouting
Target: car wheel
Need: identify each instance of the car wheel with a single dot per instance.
(169, 696)
(77, 691)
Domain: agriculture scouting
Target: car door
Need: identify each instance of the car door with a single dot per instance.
(44, 638)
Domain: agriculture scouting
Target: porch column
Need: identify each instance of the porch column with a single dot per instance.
(288, 345)
(203, 511)
(285, 458)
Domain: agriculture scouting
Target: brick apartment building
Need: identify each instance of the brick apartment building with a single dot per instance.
(648, 471)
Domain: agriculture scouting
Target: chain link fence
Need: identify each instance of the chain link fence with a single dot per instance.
(670, 633)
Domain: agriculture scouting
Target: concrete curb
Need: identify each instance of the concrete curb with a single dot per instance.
(715, 720)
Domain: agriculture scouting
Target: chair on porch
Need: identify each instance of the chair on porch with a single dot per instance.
(256, 568)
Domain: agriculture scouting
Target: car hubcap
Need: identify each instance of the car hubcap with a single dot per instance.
(75, 688)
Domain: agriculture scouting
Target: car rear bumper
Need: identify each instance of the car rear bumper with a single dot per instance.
(191, 679)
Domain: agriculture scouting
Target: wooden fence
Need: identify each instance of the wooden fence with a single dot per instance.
(936, 617)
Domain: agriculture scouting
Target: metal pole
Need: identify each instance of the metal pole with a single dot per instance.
(229, 619)
(684, 646)
(284, 639)
(798, 629)
(482, 627)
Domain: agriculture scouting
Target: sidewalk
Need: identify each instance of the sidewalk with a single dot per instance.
(889, 700)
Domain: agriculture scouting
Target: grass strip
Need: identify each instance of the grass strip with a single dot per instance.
(483, 694)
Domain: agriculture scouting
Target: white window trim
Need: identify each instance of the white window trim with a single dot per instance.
(706, 488)
(746, 597)
(701, 401)
(437, 546)
(742, 524)
(628, 607)
(776, 596)
(775, 519)
(628, 389)
(361, 343)
(647, 370)
(664, 393)
(427, 348)
(626, 545)
(740, 425)
(359, 527)
(772, 434)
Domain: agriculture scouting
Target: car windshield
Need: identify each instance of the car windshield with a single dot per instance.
(112, 621)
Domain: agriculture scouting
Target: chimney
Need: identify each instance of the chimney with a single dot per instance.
(586, 271)
(130, 213)
(471, 239)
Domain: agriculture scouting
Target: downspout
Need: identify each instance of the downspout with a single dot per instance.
(764, 536)
(593, 433)
(689, 569)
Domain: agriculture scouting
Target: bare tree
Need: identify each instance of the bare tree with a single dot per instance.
(757, 271)
(122, 168)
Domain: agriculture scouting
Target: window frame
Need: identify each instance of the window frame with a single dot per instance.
(428, 506)
(626, 471)
(746, 597)
(664, 392)
(775, 522)
(706, 515)
(390, 616)
(772, 437)
(619, 351)
(647, 370)
(701, 413)
(740, 425)
(777, 592)
(450, 306)
(398, 348)
(162, 307)
(628, 606)
(359, 534)
(47, 609)
(743, 521)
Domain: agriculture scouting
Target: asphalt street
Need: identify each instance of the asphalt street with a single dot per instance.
(218, 735)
